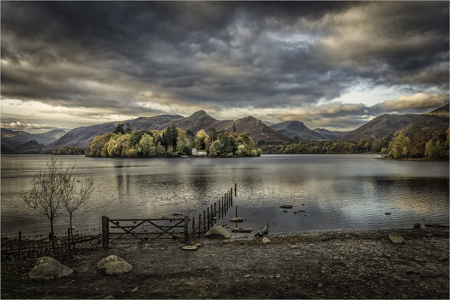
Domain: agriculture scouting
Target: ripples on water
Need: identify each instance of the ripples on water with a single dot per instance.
(336, 191)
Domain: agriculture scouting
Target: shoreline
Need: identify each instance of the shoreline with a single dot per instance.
(320, 264)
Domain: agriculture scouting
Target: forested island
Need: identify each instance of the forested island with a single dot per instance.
(170, 143)
(417, 141)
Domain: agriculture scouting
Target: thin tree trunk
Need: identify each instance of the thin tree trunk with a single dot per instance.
(71, 228)
(53, 235)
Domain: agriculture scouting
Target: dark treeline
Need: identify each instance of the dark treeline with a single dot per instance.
(69, 151)
(419, 140)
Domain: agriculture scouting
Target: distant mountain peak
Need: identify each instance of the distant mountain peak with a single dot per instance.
(199, 113)
(297, 129)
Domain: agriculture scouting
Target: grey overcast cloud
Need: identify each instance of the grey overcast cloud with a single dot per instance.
(334, 65)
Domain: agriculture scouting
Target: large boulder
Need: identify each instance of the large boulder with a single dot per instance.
(48, 268)
(113, 265)
(217, 232)
(236, 220)
(396, 238)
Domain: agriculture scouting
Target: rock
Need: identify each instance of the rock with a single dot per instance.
(110, 297)
(217, 232)
(417, 225)
(113, 265)
(247, 276)
(443, 258)
(436, 225)
(237, 219)
(294, 247)
(301, 210)
(286, 206)
(265, 240)
(319, 285)
(278, 276)
(48, 268)
(387, 213)
(284, 210)
(396, 238)
(134, 290)
(418, 259)
(189, 248)
(241, 230)
(198, 245)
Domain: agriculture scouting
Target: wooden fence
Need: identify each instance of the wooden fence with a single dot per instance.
(19, 249)
(211, 214)
(126, 231)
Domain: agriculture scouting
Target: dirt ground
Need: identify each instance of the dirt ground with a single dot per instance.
(325, 264)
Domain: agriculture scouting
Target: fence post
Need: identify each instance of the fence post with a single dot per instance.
(186, 229)
(215, 210)
(193, 227)
(235, 191)
(105, 231)
(208, 218)
(204, 222)
(199, 223)
(231, 194)
(212, 215)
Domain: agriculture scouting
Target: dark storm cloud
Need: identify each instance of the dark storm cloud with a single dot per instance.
(139, 58)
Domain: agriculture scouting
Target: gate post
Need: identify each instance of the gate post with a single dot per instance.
(186, 229)
(105, 231)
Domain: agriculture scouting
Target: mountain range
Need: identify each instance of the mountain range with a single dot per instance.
(20, 142)
(12, 138)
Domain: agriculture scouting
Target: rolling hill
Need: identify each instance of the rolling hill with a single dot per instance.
(383, 125)
(296, 129)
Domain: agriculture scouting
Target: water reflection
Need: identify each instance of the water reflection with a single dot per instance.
(336, 192)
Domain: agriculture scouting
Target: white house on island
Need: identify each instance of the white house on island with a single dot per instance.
(195, 152)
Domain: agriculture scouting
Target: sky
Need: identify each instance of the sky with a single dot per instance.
(333, 65)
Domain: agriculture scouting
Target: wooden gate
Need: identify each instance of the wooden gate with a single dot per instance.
(127, 231)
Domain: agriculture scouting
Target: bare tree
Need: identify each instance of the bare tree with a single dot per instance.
(48, 192)
(77, 193)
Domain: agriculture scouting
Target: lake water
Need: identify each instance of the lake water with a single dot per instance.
(336, 191)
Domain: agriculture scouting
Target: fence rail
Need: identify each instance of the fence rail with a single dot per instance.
(124, 231)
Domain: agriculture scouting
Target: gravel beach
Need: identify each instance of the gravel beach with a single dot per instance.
(323, 264)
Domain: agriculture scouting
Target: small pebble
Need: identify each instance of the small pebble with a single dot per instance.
(319, 285)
